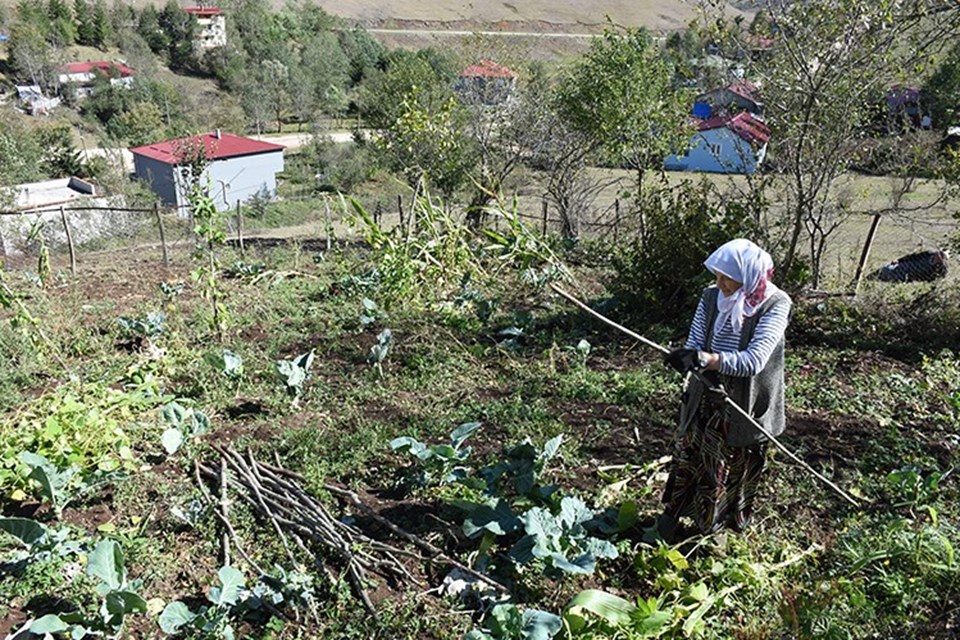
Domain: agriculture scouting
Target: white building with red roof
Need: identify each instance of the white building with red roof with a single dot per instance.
(237, 168)
(80, 77)
(486, 82)
(734, 143)
(211, 27)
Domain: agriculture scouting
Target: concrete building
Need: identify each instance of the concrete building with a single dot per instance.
(211, 29)
(237, 170)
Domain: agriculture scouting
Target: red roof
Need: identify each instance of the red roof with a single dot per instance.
(743, 124)
(101, 65)
(487, 69)
(225, 146)
(203, 11)
(744, 89)
(898, 96)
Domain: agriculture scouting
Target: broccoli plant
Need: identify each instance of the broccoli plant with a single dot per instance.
(119, 599)
(441, 463)
(294, 374)
(562, 541)
(378, 352)
(212, 620)
(182, 423)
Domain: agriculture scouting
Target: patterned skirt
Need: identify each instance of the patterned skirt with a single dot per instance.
(711, 482)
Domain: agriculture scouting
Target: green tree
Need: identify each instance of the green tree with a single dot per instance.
(148, 26)
(942, 91)
(63, 32)
(179, 27)
(820, 81)
(32, 58)
(364, 52)
(60, 158)
(426, 76)
(20, 154)
(620, 94)
(141, 124)
(81, 12)
(429, 146)
(102, 25)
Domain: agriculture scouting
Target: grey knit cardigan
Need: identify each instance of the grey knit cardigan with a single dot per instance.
(760, 395)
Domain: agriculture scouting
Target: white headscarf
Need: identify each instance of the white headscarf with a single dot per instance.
(750, 265)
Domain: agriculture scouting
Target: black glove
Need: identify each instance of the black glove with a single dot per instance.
(683, 360)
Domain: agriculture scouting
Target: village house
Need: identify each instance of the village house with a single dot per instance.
(487, 83)
(742, 95)
(211, 28)
(724, 144)
(78, 79)
(237, 170)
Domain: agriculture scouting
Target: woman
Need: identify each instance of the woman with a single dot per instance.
(736, 341)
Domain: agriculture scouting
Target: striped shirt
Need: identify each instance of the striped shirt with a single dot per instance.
(726, 342)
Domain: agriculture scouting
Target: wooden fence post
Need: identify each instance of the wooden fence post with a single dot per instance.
(163, 234)
(329, 221)
(400, 209)
(240, 228)
(66, 228)
(543, 229)
(616, 220)
(867, 245)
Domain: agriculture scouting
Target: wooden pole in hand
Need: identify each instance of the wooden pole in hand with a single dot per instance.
(727, 399)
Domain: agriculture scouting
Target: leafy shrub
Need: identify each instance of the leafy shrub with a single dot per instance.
(659, 274)
(91, 426)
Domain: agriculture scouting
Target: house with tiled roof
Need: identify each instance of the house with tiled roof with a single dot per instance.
(734, 143)
(237, 168)
(211, 31)
(486, 82)
(742, 95)
(78, 79)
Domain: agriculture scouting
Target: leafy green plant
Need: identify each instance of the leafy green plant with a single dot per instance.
(371, 313)
(509, 622)
(232, 365)
(150, 326)
(294, 374)
(378, 352)
(91, 426)
(562, 540)
(211, 620)
(442, 463)
(182, 423)
(171, 290)
(241, 269)
(58, 486)
(911, 488)
(119, 598)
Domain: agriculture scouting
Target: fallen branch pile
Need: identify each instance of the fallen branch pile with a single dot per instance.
(276, 494)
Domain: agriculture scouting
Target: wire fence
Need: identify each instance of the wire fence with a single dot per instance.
(68, 232)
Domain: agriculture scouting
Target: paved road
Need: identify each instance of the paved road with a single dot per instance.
(445, 32)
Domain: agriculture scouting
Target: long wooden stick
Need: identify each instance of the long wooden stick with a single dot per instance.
(726, 399)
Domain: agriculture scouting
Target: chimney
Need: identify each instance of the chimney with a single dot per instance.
(217, 134)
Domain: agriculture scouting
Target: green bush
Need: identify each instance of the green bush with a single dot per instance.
(659, 274)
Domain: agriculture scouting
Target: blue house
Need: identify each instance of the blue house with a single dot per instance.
(725, 144)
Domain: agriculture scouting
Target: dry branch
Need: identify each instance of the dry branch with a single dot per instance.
(276, 494)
